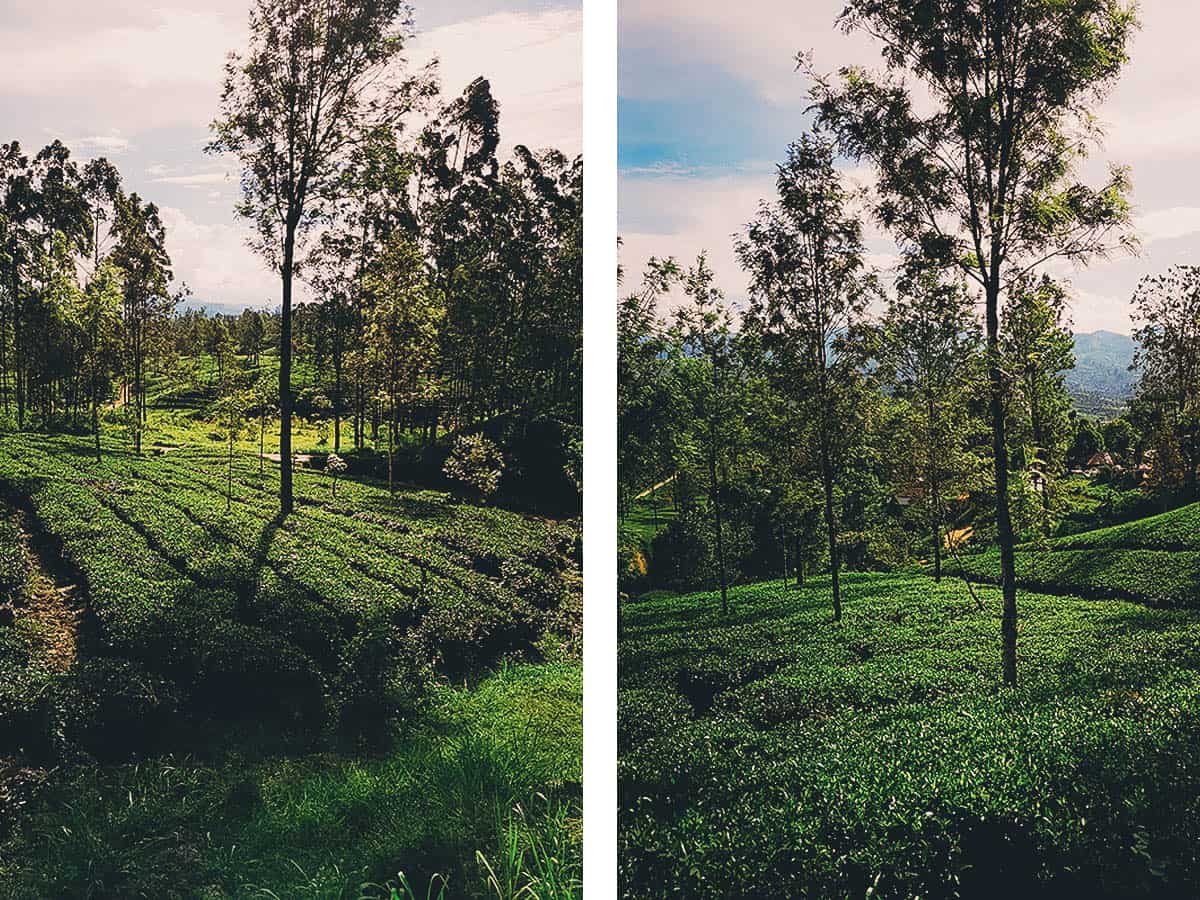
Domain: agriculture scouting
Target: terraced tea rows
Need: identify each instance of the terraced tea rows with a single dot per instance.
(334, 607)
(1154, 560)
(776, 753)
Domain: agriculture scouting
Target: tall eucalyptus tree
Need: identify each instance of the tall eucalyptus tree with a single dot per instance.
(808, 289)
(317, 74)
(985, 180)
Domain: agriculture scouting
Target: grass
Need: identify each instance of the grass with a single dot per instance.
(643, 520)
(377, 696)
(775, 753)
(182, 407)
(485, 781)
(329, 609)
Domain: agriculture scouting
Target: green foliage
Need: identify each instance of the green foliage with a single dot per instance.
(1167, 319)
(342, 609)
(1155, 560)
(476, 463)
(683, 556)
(772, 753)
(1121, 438)
(1087, 441)
(487, 773)
(14, 564)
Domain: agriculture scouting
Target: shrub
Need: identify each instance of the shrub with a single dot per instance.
(335, 467)
(770, 753)
(111, 708)
(338, 614)
(25, 685)
(683, 556)
(14, 566)
(477, 463)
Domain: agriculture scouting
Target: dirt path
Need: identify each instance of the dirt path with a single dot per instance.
(55, 603)
(303, 460)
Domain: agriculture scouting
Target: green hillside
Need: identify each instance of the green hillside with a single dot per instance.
(1101, 382)
(777, 753)
(213, 698)
(1155, 560)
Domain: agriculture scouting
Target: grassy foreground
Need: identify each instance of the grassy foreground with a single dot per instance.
(479, 796)
(776, 753)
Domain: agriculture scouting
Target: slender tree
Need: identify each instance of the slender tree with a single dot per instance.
(402, 331)
(101, 320)
(1166, 313)
(985, 180)
(808, 288)
(316, 76)
(704, 328)
(141, 254)
(929, 337)
(1036, 339)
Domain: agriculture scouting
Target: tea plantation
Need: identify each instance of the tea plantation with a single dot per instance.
(1155, 560)
(775, 753)
(253, 705)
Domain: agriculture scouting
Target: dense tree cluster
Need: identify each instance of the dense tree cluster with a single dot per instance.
(974, 132)
(435, 259)
(86, 290)
(878, 466)
(445, 279)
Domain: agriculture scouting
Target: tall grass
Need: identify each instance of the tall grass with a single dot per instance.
(479, 798)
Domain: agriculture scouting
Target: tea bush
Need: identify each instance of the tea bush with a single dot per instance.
(341, 608)
(774, 752)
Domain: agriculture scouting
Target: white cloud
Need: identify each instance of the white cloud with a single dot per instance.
(668, 208)
(145, 79)
(680, 216)
(534, 63)
(756, 40)
(111, 144)
(216, 263)
(198, 179)
(1167, 224)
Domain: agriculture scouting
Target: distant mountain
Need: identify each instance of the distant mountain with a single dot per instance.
(1101, 381)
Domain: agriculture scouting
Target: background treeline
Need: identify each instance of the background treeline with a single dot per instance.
(446, 291)
(766, 441)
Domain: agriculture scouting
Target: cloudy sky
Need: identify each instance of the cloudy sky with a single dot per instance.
(709, 100)
(139, 83)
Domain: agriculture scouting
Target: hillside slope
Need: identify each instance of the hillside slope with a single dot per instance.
(1102, 360)
(774, 752)
(1155, 560)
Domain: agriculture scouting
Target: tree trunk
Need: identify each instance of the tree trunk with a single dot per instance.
(935, 496)
(337, 400)
(229, 468)
(1004, 532)
(18, 365)
(137, 393)
(95, 391)
(716, 504)
(785, 560)
(1041, 448)
(831, 527)
(285, 374)
(799, 563)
